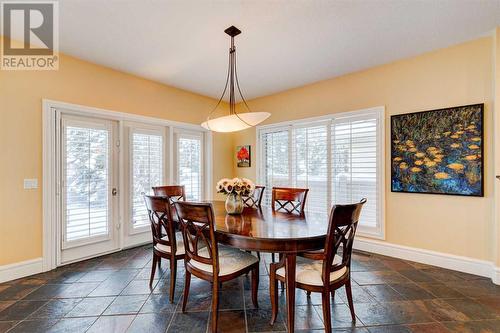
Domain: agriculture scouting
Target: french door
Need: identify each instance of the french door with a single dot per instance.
(88, 181)
(145, 166)
(104, 165)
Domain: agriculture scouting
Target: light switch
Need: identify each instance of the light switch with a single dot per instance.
(30, 184)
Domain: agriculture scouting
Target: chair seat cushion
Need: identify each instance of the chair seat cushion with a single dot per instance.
(166, 248)
(231, 260)
(309, 271)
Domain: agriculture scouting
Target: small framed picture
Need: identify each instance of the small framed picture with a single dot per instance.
(243, 155)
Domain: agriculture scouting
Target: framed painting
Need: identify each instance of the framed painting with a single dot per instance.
(243, 156)
(438, 151)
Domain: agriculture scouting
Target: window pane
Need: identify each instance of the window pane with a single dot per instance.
(275, 162)
(147, 171)
(310, 158)
(354, 166)
(189, 166)
(86, 182)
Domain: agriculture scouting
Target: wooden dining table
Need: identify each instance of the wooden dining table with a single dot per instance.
(266, 231)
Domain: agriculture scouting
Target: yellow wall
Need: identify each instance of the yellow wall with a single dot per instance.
(83, 83)
(453, 76)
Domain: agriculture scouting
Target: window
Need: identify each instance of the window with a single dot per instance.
(339, 158)
(147, 171)
(275, 150)
(355, 168)
(310, 164)
(86, 166)
(189, 157)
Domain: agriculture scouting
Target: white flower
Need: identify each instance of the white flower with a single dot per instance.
(241, 186)
(229, 187)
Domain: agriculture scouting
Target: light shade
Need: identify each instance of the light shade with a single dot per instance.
(233, 122)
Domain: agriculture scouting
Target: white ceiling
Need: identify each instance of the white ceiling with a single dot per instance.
(284, 44)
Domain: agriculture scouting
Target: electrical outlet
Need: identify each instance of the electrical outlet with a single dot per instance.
(30, 184)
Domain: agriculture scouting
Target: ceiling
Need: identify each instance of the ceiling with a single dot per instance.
(284, 44)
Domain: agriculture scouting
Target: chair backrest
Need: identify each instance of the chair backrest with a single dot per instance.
(288, 199)
(254, 200)
(160, 217)
(197, 225)
(175, 192)
(341, 231)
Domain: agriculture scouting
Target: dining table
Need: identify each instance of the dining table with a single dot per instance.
(265, 230)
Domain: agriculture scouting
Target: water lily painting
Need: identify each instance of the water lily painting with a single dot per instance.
(243, 156)
(438, 152)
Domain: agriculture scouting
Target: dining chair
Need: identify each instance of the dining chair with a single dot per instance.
(289, 200)
(174, 192)
(167, 243)
(208, 260)
(254, 200)
(324, 271)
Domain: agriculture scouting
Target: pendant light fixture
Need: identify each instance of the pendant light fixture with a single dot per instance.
(234, 121)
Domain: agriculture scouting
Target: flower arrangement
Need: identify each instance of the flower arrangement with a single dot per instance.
(238, 186)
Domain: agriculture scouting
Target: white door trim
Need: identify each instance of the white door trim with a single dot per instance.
(49, 181)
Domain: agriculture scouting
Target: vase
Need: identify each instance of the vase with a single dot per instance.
(234, 204)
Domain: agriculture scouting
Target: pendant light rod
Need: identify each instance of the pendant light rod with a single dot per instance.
(232, 82)
(232, 102)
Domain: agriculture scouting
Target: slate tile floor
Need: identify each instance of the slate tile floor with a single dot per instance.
(111, 294)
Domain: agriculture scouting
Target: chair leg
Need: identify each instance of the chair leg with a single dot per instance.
(255, 285)
(173, 277)
(159, 263)
(281, 282)
(250, 253)
(327, 319)
(187, 282)
(273, 292)
(348, 291)
(272, 257)
(215, 305)
(308, 293)
(258, 255)
(153, 270)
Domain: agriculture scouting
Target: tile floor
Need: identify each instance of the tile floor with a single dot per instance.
(111, 294)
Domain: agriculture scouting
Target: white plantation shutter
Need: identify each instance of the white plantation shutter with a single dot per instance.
(147, 171)
(275, 161)
(355, 165)
(310, 164)
(338, 159)
(86, 180)
(189, 156)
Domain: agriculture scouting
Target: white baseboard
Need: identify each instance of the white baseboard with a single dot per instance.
(21, 269)
(434, 258)
(496, 275)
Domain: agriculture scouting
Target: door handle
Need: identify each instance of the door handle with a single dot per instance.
(114, 191)
(498, 177)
